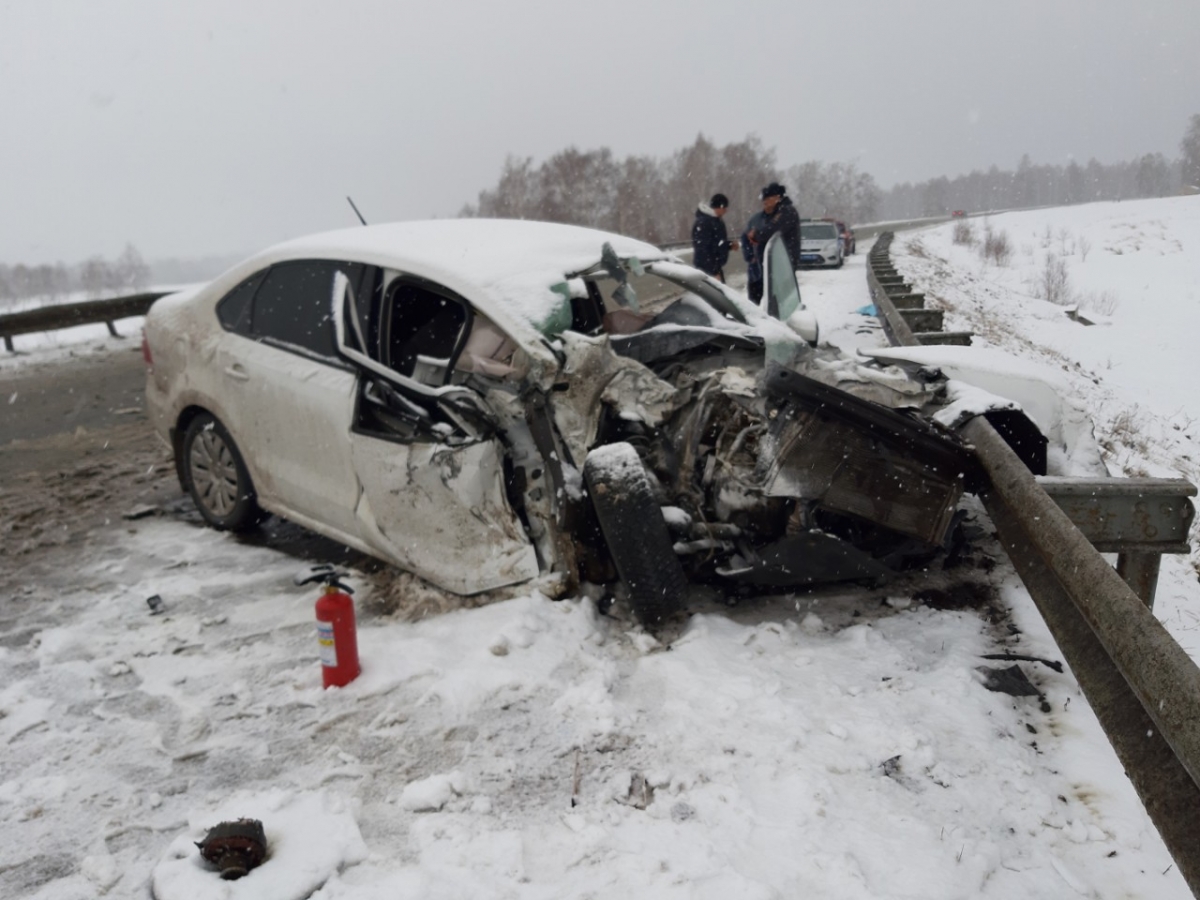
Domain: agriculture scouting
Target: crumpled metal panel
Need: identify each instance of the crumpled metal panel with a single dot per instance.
(850, 456)
(441, 512)
(594, 375)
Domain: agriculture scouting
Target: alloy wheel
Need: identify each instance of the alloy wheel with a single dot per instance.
(214, 473)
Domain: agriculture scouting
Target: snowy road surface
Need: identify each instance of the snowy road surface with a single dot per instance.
(93, 391)
(836, 743)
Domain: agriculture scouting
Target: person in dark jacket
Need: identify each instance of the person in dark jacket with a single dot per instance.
(750, 253)
(710, 240)
(782, 219)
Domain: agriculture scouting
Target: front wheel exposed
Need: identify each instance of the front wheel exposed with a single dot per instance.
(216, 476)
(635, 532)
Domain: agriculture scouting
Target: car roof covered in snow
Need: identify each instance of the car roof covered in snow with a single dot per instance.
(505, 267)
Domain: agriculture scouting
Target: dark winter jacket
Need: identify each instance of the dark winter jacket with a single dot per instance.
(710, 241)
(785, 221)
(752, 252)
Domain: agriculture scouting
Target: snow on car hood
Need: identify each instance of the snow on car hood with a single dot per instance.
(507, 268)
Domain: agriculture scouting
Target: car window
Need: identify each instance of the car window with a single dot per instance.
(233, 310)
(422, 331)
(294, 304)
(823, 231)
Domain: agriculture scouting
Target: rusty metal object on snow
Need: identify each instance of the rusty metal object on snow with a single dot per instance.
(235, 847)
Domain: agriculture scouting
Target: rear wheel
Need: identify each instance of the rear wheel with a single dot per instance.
(635, 532)
(217, 478)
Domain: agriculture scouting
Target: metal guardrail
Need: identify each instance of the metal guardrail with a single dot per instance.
(1142, 686)
(902, 311)
(68, 315)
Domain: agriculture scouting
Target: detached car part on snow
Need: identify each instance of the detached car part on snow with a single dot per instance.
(470, 407)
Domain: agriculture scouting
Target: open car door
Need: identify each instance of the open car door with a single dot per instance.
(781, 291)
(430, 467)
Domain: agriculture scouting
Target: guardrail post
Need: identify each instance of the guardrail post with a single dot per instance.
(1140, 572)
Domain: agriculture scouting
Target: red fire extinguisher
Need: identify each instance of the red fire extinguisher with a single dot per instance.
(337, 635)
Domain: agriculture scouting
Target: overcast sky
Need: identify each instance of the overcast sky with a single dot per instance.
(192, 128)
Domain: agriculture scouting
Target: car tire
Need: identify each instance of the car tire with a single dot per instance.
(633, 527)
(217, 478)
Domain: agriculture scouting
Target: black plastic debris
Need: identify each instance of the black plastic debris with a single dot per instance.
(235, 847)
(156, 605)
(891, 767)
(1011, 681)
(1049, 663)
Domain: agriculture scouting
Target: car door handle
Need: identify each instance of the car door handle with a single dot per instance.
(236, 371)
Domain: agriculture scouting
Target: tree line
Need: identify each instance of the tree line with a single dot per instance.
(655, 198)
(57, 281)
(1151, 175)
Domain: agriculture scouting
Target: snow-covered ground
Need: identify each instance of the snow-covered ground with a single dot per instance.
(833, 744)
(1132, 269)
(68, 343)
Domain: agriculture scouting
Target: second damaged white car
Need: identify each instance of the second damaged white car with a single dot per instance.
(486, 404)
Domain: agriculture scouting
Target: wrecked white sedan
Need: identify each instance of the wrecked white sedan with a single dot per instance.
(485, 403)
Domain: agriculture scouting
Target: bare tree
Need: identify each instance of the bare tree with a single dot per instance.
(1103, 302)
(865, 196)
(996, 246)
(95, 276)
(641, 201)
(22, 281)
(130, 271)
(580, 187)
(692, 172)
(807, 184)
(1153, 176)
(837, 190)
(514, 197)
(1055, 285)
(1190, 145)
(744, 169)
